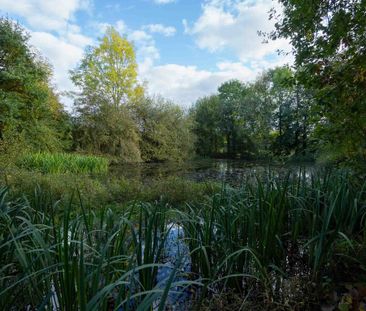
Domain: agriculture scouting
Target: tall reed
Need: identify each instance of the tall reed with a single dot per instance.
(63, 163)
(241, 240)
(84, 261)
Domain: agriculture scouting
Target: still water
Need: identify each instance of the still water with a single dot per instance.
(228, 171)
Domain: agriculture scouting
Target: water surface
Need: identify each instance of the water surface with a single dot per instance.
(228, 171)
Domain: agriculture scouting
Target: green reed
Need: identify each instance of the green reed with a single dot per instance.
(91, 259)
(58, 163)
(239, 240)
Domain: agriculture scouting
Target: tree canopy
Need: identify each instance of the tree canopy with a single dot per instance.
(329, 44)
(113, 115)
(29, 107)
(265, 118)
(315, 108)
(107, 80)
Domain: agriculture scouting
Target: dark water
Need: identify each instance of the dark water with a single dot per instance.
(229, 171)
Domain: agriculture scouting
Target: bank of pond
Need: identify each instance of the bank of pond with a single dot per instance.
(290, 243)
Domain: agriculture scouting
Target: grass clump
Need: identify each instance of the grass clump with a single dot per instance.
(60, 163)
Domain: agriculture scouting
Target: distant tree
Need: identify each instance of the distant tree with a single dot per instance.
(258, 113)
(291, 118)
(207, 126)
(231, 96)
(107, 79)
(165, 131)
(269, 116)
(29, 108)
(329, 43)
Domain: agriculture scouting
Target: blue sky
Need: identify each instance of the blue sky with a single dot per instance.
(185, 48)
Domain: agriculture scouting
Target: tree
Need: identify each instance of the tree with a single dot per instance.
(29, 108)
(207, 126)
(329, 43)
(165, 131)
(266, 117)
(107, 79)
(291, 118)
(258, 112)
(231, 95)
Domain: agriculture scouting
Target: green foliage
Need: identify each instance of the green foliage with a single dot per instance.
(233, 118)
(292, 119)
(270, 230)
(113, 116)
(57, 186)
(109, 131)
(206, 114)
(328, 39)
(100, 189)
(89, 261)
(268, 117)
(107, 79)
(108, 73)
(165, 131)
(250, 241)
(29, 108)
(59, 163)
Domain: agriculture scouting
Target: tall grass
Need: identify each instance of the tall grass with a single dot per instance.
(63, 163)
(243, 241)
(277, 229)
(86, 261)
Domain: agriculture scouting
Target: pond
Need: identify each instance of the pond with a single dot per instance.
(233, 172)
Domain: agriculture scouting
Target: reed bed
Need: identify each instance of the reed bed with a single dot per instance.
(251, 241)
(59, 163)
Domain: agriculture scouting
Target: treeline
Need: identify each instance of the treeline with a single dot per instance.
(314, 110)
(112, 115)
(266, 118)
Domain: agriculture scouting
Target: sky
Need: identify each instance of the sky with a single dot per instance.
(185, 48)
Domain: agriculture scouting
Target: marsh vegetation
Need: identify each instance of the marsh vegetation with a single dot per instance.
(261, 185)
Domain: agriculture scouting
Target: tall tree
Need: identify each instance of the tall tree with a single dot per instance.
(207, 126)
(231, 95)
(329, 43)
(291, 119)
(266, 117)
(29, 108)
(107, 80)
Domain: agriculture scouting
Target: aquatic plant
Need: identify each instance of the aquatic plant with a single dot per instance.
(251, 240)
(64, 163)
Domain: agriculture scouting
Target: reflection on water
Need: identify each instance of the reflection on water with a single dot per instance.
(229, 171)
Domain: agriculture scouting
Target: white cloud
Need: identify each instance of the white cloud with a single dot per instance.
(233, 25)
(45, 14)
(146, 49)
(140, 36)
(223, 25)
(62, 54)
(121, 27)
(163, 1)
(54, 32)
(145, 45)
(185, 84)
(167, 31)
